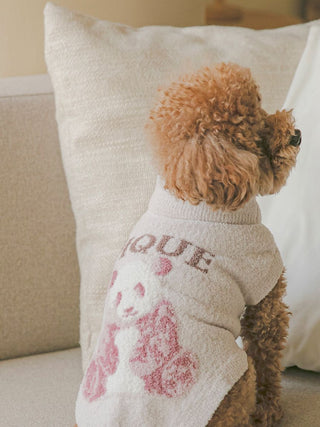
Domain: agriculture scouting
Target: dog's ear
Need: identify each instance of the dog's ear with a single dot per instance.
(214, 171)
(279, 127)
(280, 154)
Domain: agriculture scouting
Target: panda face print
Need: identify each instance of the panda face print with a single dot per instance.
(134, 290)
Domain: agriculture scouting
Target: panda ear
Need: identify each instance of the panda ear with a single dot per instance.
(113, 278)
(162, 266)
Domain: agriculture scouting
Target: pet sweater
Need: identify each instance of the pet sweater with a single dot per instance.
(166, 354)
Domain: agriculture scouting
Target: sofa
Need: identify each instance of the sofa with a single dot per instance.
(40, 368)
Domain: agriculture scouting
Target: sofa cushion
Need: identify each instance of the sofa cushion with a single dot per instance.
(38, 265)
(41, 391)
(301, 398)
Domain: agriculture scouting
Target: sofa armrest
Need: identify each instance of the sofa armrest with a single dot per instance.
(39, 277)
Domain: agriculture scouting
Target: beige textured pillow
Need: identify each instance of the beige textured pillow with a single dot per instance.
(105, 78)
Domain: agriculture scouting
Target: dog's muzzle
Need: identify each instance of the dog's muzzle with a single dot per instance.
(296, 138)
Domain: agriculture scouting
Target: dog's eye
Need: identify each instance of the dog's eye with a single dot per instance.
(295, 139)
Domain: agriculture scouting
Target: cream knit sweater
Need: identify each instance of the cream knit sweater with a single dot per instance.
(166, 354)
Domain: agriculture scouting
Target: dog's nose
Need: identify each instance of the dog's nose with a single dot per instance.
(296, 138)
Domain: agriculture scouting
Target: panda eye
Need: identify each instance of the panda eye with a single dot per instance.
(118, 299)
(139, 288)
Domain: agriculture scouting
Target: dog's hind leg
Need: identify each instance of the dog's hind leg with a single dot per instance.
(239, 403)
(264, 329)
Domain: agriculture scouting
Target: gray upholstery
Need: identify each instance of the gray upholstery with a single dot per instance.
(301, 398)
(41, 391)
(39, 275)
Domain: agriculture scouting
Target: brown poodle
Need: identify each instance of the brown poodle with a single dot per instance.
(216, 146)
(215, 143)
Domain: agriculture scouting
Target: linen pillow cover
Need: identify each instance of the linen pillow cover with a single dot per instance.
(105, 77)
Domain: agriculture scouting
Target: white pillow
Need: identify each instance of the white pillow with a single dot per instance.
(105, 78)
(293, 215)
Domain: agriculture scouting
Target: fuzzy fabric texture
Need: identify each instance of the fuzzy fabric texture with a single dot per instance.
(166, 349)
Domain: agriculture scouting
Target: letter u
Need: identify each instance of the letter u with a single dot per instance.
(178, 250)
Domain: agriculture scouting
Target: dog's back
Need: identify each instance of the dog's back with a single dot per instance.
(166, 353)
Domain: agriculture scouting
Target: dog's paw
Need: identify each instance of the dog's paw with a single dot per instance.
(266, 417)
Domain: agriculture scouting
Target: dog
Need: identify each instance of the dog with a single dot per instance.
(199, 269)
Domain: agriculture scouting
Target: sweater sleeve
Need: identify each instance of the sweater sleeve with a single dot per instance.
(262, 273)
(262, 265)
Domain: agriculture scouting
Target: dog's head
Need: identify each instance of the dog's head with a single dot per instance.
(215, 143)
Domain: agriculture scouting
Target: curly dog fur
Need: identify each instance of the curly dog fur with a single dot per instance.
(213, 142)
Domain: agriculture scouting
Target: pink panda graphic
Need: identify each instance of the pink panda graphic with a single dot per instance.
(102, 365)
(158, 358)
(141, 353)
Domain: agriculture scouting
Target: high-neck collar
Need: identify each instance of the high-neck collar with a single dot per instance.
(164, 203)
